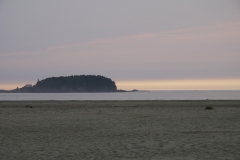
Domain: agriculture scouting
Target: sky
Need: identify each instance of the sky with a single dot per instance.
(147, 45)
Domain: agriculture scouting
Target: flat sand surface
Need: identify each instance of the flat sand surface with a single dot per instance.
(109, 130)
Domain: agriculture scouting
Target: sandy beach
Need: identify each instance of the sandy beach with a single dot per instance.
(118, 130)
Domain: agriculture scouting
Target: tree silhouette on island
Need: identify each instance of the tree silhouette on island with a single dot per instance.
(76, 83)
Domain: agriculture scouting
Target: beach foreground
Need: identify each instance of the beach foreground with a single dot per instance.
(119, 130)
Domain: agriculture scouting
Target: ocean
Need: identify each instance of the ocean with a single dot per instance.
(148, 95)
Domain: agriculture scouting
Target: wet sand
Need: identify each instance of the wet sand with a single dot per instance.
(119, 130)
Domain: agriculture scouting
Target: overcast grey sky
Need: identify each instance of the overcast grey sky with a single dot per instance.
(123, 40)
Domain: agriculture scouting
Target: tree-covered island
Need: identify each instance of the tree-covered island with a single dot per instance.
(77, 83)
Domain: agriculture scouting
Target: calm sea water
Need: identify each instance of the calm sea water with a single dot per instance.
(151, 95)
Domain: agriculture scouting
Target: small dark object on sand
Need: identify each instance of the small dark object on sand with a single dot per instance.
(28, 106)
(208, 108)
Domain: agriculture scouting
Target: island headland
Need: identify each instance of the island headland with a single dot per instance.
(70, 84)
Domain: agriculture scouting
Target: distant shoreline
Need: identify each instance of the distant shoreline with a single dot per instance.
(14, 91)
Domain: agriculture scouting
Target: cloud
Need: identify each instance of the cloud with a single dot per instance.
(204, 52)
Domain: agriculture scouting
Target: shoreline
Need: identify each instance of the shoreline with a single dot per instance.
(109, 103)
